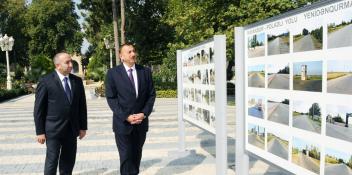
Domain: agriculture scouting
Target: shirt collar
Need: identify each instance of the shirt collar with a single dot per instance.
(60, 75)
(128, 68)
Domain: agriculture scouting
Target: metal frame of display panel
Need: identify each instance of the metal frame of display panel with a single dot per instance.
(307, 114)
(218, 43)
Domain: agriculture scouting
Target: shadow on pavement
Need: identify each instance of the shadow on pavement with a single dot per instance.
(184, 164)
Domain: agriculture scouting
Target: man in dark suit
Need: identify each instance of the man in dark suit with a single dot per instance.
(130, 94)
(60, 115)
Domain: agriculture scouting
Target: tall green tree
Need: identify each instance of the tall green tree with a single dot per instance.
(12, 23)
(52, 27)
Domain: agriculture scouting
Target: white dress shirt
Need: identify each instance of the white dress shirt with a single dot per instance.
(134, 74)
(62, 79)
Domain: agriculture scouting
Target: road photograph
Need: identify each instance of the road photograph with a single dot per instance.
(278, 42)
(339, 122)
(340, 30)
(256, 106)
(256, 135)
(306, 116)
(307, 76)
(256, 45)
(339, 76)
(337, 162)
(279, 76)
(306, 155)
(278, 110)
(308, 38)
(277, 144)
(256, 76)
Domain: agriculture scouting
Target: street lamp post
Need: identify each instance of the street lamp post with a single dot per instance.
(6, 44)
(109, 45)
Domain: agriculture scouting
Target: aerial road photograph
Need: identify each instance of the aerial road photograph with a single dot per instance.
(278, 110)
(307, 76)
(306, 155)
(256, 106)
(339, 76)
(256, 76)
(256, 135)
(279, 76)
(278, 42)
(308, 38)
(337, 124)
(256, 45)
(337, 162)
(277, 144)
(306, 116)
(340, 30)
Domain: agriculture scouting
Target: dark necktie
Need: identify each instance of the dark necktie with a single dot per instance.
(130, 75)
(67, 89)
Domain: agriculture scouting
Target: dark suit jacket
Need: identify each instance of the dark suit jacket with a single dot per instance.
(52, 109)
(121, 97)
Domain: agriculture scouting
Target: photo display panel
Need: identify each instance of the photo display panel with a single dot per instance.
(298, 89)
(198, 79)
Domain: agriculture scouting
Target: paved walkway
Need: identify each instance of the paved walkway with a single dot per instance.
(97, 153)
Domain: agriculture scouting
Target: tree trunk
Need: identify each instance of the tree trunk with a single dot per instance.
(123, 40)
(116, 32)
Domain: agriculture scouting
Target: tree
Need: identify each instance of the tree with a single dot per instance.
(12, 22)
(52, 27)
(123, 20)
(314, 110)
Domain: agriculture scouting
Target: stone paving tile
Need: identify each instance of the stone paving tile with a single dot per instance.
(97, 153)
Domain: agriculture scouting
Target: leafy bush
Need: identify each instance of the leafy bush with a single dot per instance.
(164, 82)
(8, 94)
(100, 91)
(166, 94)
(40, 65)
(96, 70)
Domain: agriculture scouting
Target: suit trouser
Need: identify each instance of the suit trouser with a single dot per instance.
(61, 150)
(130, 150)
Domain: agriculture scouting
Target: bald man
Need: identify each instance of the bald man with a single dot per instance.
(60, 115)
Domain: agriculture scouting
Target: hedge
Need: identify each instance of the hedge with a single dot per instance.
(166, 94)
(8, 94)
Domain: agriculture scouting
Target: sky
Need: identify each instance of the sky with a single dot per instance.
(337, 154)
(255, 68)
(301, 106)
(340, 66)
(313, 68)
(342, 110)
(274, 68)
(301, 144)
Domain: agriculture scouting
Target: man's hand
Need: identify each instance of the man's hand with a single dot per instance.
(82, 133)
(135, 118)
(41, 138)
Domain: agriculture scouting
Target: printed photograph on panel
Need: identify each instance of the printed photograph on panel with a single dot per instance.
(256, 46)
(205, 77)
(198, 96)
(277, 143)
(192, 95)
(256, 135)
(256, 76)
(279, 76)
(186, 109)
(339, 78)
(199, 114)
(306, 155)
(278, 110)
(211, 55)
(212, 119)
(256, 106)
(339, 122)
(306, 116)
(204, 57)
(337, 162)
(197, 77)
(206, 97)
(310, 37)
(212, 76)
(212, 98)
(307, 76)
(206, 116)
(340, 30)
(192, 111)
(278, 42)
